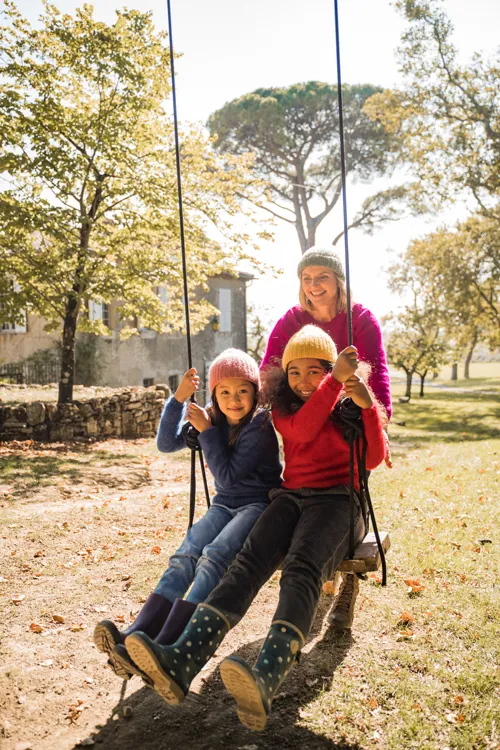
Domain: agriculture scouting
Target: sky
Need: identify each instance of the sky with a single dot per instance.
(230, 48)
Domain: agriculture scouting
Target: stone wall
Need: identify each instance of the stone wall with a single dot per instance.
(126, 413)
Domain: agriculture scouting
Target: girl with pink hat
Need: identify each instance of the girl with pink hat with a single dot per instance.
(241, 450)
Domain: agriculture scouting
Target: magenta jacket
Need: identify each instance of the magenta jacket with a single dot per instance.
(367, 338)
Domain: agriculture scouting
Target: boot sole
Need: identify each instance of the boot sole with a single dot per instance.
(240, 682)
(146, 660)
(104, 640)
(126, 670)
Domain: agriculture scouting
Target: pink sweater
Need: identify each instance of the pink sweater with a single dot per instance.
(367, 338)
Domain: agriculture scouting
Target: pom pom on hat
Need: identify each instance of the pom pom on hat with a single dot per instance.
(319, 256)
(233, 363)
(310, 342)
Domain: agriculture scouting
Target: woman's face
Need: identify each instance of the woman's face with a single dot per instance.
(304, 375)
(319, 284)
(235, 397)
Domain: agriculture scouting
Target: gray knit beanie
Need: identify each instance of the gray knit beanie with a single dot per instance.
(319, 256)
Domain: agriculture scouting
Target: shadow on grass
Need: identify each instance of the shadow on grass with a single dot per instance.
(451, 418)
(31, 472)
(208, 720)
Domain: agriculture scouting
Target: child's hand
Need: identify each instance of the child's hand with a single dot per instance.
(346, 364)
(357, 390)
(189, 384)
(198, 417)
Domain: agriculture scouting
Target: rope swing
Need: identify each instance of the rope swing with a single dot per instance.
(349, 413)
(191, 433)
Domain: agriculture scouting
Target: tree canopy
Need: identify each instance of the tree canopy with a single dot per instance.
(416, 342)
(89, 209)
(451, 279)
(446, 116)
(460, 271)
(293, 135)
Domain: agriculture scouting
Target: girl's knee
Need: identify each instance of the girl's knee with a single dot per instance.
(210, 558)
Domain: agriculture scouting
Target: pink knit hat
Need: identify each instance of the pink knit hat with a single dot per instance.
(233, 363)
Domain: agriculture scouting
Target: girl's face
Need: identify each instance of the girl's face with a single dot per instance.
(319, 284)
(304, 376)
(235, 397)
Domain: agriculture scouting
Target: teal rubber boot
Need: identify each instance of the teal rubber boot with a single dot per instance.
(254, 688)
(173, 668)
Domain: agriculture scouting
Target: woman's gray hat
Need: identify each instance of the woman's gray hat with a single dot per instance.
(319, 256)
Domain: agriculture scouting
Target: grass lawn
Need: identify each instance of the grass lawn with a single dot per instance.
(85, 531)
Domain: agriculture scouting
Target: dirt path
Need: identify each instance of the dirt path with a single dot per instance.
(85, 533)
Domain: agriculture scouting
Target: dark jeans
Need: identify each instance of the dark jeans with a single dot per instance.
(307, 531)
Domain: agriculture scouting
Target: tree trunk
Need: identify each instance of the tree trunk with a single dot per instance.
(68, 351)
(72, 309)
(469, 354)
(454, 371)
(422, 381)
(409, 376)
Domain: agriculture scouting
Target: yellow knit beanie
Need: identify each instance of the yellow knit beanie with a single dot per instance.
(311, 342)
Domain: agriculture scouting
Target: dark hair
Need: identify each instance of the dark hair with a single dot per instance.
(218, 417)
(279, 394)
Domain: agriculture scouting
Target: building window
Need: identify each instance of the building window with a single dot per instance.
(162, 294)
(173, 382)
(146, 382)
(225, 303)
(99, 311)
(8, 326)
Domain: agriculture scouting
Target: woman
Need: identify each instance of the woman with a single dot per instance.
(323, 302)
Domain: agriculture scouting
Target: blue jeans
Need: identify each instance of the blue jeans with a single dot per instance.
(208, 548)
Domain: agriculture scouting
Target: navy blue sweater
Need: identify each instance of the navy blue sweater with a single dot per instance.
(245, 472)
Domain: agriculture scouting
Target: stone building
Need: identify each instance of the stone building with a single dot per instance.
(148, 358)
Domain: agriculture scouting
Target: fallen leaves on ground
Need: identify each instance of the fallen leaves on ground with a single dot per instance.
(405, 618)
(414, 585)
(75, 711)
(329, 588)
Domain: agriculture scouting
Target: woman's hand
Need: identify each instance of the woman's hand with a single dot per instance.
(388, 457)
(189, 384)
(346, 364)
(356, 389)
(198, 417)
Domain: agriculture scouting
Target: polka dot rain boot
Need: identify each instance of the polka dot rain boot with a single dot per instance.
(172, 668)
(254, 689)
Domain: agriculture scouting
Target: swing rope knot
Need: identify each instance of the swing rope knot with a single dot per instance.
(190, 435)
(348, 414)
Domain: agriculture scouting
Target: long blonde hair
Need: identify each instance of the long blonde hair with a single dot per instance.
(340, 302)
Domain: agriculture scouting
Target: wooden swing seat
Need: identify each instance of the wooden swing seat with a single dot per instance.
(366, 555)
